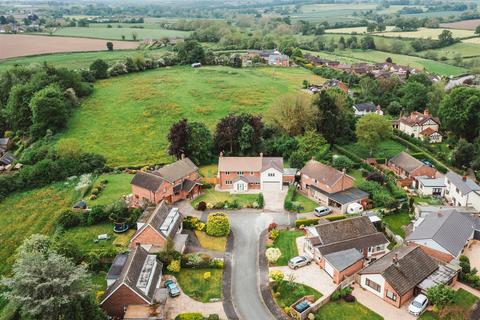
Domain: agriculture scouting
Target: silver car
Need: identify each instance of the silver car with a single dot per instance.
(322, 211)
(298, 262)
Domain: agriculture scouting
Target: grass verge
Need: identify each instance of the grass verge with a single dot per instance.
(195, 286)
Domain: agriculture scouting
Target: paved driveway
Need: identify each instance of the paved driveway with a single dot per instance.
(274, 200)
(246, 228)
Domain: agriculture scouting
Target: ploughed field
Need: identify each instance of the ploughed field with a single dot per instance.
(18, 45)
(127, 118)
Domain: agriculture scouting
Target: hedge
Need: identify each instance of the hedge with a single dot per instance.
(306, 222)
(336, 218)
(190, 316)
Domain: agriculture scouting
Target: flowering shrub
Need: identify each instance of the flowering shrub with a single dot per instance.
(174, 266)
(273, 254)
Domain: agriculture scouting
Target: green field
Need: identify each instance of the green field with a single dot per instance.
(395, 222)
(77, 60)
(462, 49)
(429, 33)
(116, 186)
(338, 12)
(385, 149)
(127, 118)
(115, 33)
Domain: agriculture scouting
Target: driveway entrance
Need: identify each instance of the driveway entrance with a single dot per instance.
(274, 200)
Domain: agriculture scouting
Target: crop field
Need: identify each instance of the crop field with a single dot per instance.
(115, 33)
(469, 49)
(331, 12)
(358, 30)
(127, 118)
(429, 33)
(78, 60)
(14, 45)
(465, 24)
(472, 40)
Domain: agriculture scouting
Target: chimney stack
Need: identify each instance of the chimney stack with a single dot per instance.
(426, 113)
(464, 178)
(395, 259)
(182, 156)
(261, 154)
(221, 154)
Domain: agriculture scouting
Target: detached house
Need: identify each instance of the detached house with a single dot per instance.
(407, 167)
(462, 191)
(133, 281)
(340, 247)
(173, 182)
(158, 225)
(421, 126)
(334, 83)
(402, 273)
(330, 186)
(250, 173)
(362, 109)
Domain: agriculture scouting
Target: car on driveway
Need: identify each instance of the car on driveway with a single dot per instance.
(418, 305)
(298, 262)
(172, 288)
(322, 211)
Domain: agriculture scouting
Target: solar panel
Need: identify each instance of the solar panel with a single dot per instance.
(146, 272)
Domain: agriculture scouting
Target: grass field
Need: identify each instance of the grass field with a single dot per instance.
(84, 237)
(115, 33)
(429, 33)
(192, 283)
(340, 310)
(467, 48)
(462, 303)
(331, 12)
(385, 149)
(287, 245)
(358, 30)
(117, 185)
(127, 118)
(396, 221)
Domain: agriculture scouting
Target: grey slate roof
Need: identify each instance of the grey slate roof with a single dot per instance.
(177, 170)
(429, 182)
(449, 228)
(412, 268)
(7, 158)
(349, 195)
(367, 106)
(466, 186)
(406, 162)
(359, 243)
(155, 219)
(341, 260)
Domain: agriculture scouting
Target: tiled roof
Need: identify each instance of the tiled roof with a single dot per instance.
(367, 106)
(147, 181)
(322, 173)
(249, 164)
(427, 132)
(177, 170)
(465, 186)
(418, 118)
(406, 162)
(403, 268)
(341, 260)
(155, 218)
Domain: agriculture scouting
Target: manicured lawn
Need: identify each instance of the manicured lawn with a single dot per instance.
(464, 300)
(117, 185)
(192, 283)
(396, 221)
(212, 196)
(385, 149)
(211, 243)
(308, 204)
(340, 310)
(427, 200)
(291, 292)
(134, 112)
(209, 171)
(84, 237)
(287, 245)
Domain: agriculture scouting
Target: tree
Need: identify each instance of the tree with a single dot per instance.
(414, 96)
(292, 114)
(110, 46)
(99, 69)
(373, 129)
(312, 144)
(190, 51)
(463, 154)
(440, 296)
(460, 112)
(394, 108)
(446, 38)
(134, 36)
(229, 137)
(218, 224)
(245, 138)
(49, 110)
(45, 284)
(367, 43)
(178, 137)
(199, 143)
(477, 30)
(342, 162)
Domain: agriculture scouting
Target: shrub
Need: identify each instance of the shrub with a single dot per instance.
(190, 316)
(207, 275)
(213, 317)
(202, 206)
(342, 162)
(277, 275)
(274, 234)
(190, 223)
(272, 226)
(216, 263)
(260, 201)
(218, 224)
(336, 218)
(174, 266)
(99, 69)
(306, 222)
(273, 254)
(349, 298)
(68, 219)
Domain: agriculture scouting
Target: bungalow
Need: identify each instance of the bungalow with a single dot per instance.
(402, 273)
(330, 186)
(462, 191)
(444, 234)
(426, 186)
(340, 247)
(158, 225)
(133, 279)
(362, 109)
(421, 126)
(250, 173)
(173, 182)
(407, 167)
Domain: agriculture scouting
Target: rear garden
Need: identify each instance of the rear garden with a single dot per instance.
(397, 221)
(458, 310)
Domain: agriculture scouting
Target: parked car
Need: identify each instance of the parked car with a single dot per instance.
(172, 288)
(418, 305)
(298, 262)
(322, 211)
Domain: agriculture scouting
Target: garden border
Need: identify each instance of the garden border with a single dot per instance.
(228, 305)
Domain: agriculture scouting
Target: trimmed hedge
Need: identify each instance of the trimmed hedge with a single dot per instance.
(306, 222)
(190, 316)
(336, 218)
(218, 224)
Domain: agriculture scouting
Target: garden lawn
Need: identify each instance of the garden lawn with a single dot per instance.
(340, 310)
(117, 186)
(25, 213)
(396, 221)
(192, 283)
(463, 301)
(427, 200)
(289, 295)
(212, 196)
(357, 174)
(385, 149)
(84, 237)
(308, 204)
(287, 245)
(211, 243)
(127, 118)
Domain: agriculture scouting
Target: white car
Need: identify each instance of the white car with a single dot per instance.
(299, 261)
(418, 305)
(322, 211)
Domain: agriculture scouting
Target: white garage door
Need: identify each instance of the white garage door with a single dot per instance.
(329, 269)
(271, 185)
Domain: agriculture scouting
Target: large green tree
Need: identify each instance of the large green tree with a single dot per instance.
(414, 96)
(373, 129)
(199, 143)
(190, 51)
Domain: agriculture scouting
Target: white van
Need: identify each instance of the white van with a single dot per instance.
(354, 208)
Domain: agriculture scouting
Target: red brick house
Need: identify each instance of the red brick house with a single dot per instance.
(133, 279)
(406, 166)
(341, 247)
(250, 173)
(403, 273)
(330, 186)
(156, 226)
(173, 182)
